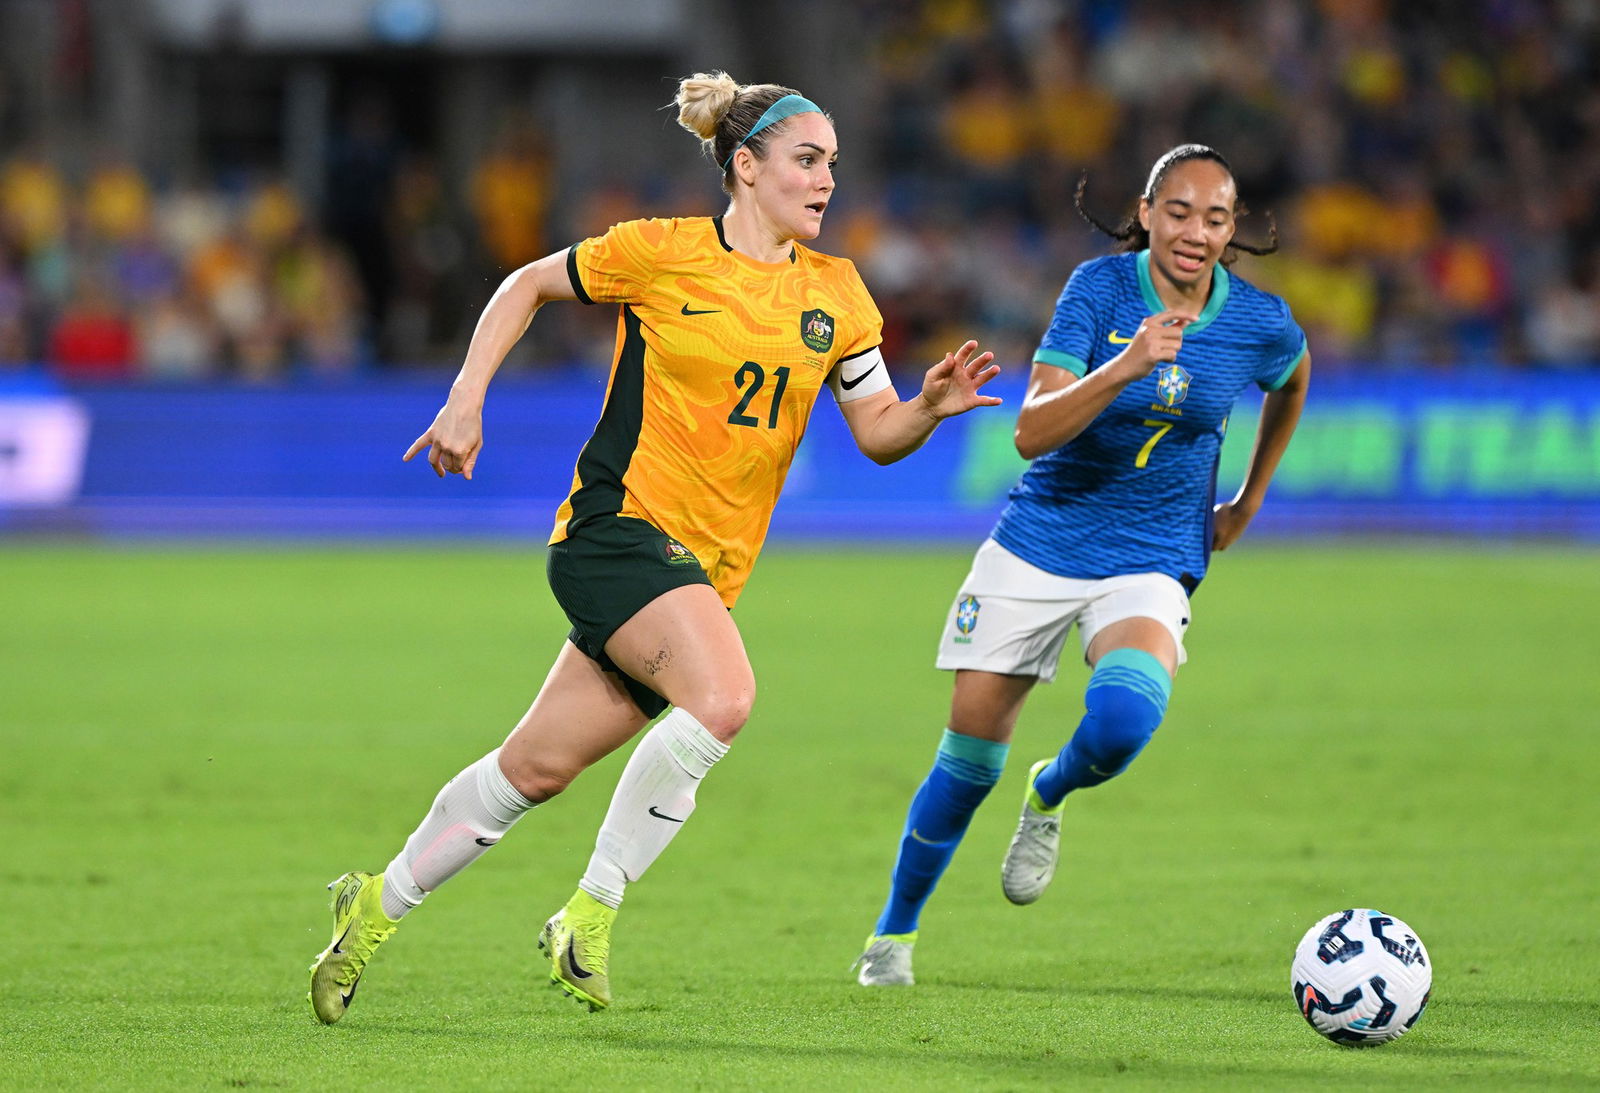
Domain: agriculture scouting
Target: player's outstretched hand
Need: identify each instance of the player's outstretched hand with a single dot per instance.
(951, 386)
(453, 440)
(1229, 519)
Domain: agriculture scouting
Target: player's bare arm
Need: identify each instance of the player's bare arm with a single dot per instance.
(1059, 405)
(1280, 413)
(886, 429)
(456, 435)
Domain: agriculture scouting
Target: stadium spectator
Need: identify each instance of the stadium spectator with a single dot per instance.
(33, 200)
(92, 339)
(511, 196)
(175, 340)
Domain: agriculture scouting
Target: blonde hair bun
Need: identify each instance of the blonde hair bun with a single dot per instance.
(704, 99)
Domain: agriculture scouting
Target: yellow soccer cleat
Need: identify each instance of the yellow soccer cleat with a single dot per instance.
(359, 927)
(577, 939)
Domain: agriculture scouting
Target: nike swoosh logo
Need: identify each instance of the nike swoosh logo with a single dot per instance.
(345, 998)
(664, 816)
(687, 310)
(851, 384)
(920, 839)
(572, 966)
(485, 842)
(1114, 340)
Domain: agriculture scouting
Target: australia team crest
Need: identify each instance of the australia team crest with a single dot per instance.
(1172, 384)
(678, 554)
(816, 329)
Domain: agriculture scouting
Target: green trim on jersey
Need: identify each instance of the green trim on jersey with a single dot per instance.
(1220, 284)
(1061, 360)
(723, 239)
(604, 460)
(572, 275)
(1289, 371)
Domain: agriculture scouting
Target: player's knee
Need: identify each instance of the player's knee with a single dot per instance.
(541, 779)
(724, 709)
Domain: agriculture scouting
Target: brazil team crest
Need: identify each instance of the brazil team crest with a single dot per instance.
(1172, 384)
(967, 614)
(816, 329)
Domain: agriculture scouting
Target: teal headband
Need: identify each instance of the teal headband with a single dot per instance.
(786, 107)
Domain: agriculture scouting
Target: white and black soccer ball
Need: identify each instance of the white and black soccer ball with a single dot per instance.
(1361, 977)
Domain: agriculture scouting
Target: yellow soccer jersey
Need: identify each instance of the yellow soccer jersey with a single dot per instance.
(719, 360)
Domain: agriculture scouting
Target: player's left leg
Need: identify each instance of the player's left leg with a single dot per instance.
(1133, 642)
(1134, 663)
(686, 644)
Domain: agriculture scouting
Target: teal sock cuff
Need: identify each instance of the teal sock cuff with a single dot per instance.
(1138, 671)
(971, 758)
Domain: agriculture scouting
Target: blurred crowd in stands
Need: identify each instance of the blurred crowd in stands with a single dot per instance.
(1432, 169)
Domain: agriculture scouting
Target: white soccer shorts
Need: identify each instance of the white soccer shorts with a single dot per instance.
(1012, 618)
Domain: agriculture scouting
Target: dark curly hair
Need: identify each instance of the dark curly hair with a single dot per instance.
(1132, 236)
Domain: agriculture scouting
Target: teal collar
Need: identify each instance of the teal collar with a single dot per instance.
(1220, 283)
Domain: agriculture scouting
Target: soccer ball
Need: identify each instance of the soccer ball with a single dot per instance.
(1361, 977)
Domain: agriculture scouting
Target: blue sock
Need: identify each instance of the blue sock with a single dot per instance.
(963, 773)
(1126, 700)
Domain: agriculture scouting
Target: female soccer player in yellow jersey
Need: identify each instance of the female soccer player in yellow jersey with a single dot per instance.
(727, 332)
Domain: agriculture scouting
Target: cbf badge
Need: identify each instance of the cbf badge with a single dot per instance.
(1172, 384)
(816, 329)
(967, 618)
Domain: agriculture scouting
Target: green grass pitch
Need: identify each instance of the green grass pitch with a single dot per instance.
(194, 742)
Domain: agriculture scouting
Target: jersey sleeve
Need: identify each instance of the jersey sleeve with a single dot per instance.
(864, 327)
(1284, 354)
(1071, 336)
(860, 370)
(614, 268)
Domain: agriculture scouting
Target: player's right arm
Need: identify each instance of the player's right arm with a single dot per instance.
(456, 435)
(1059, 405)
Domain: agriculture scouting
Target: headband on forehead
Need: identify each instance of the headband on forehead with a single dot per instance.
(786, 107)
(1183, 153)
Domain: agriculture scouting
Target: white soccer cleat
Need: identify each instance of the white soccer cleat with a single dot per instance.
(1031, 858)
(887, 961)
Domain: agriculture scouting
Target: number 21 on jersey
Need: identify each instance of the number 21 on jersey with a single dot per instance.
(749, 379)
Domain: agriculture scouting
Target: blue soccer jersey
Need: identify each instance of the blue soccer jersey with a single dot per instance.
(1133, 492)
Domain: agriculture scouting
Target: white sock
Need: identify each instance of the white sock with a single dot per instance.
(471, 813)
(653, 797)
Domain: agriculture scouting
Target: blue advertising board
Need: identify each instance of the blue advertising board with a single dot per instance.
(1486, 455)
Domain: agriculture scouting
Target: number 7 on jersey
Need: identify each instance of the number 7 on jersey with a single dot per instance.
(1161, 429)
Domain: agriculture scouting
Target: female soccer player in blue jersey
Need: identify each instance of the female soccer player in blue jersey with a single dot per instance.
(1111, 527)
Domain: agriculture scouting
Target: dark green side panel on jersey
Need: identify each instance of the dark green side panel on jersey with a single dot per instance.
(605, 458)
(572, 275)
